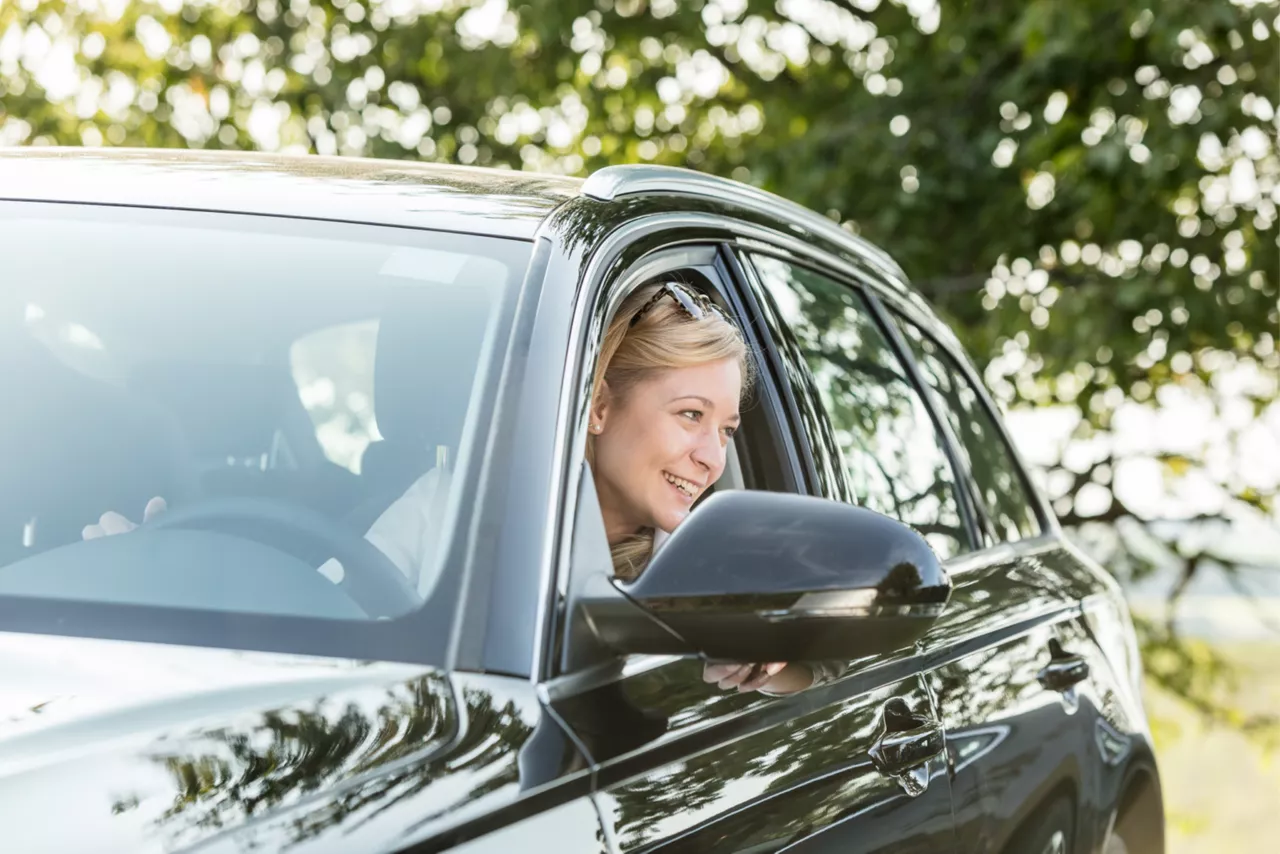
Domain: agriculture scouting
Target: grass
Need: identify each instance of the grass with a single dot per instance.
(1221, 787)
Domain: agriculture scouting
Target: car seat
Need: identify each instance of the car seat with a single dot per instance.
(430, 340)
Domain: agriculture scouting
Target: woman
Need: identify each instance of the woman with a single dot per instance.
(672, 372)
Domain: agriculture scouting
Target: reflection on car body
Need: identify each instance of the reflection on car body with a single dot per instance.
(282, 348)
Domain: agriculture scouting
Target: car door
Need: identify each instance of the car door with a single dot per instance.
(852, 765)
(1039, 729)
(1008, 662)
(1041, 725)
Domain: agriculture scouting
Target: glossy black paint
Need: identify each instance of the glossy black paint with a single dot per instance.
(155, 747)
(1019, 747)
(857, 584)
(685, 767)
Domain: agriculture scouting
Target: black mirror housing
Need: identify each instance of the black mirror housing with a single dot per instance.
(761, 576)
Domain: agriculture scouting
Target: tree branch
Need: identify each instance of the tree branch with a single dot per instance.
(1190, 567)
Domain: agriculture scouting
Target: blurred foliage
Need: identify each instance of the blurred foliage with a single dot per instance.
(1220, 787)
(1088, 190)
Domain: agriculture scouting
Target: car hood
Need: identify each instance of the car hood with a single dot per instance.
(112, 746)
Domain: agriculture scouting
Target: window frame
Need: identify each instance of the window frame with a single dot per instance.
(781, 352)
(746, 286)
(421, 636)
(588, 267)
(971, 518)
(638, 260)
(969, 374)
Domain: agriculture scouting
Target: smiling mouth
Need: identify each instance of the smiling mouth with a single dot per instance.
(685, 487)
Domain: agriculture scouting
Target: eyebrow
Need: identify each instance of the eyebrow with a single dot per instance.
(705, 401)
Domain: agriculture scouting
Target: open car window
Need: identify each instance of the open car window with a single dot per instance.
(301, 394)
(754, 460)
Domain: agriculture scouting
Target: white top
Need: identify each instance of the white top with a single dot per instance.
(659, 537)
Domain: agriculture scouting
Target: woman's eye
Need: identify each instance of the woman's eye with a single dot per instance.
(692, 414)
(730, 431)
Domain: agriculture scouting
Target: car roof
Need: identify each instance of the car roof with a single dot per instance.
(497, 202)
(472, 200)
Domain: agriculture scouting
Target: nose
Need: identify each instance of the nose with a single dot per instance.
(709, 453)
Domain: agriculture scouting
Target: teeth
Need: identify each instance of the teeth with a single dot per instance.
(680, 483)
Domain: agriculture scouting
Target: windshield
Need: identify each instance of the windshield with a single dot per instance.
(209, 414)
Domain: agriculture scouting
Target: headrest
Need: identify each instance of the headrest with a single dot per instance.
(429, 344)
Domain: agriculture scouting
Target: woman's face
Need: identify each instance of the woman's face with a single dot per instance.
(662, 444)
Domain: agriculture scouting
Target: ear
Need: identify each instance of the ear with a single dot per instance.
(600, 409)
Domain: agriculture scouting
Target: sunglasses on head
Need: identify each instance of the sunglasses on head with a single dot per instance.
(693, 303)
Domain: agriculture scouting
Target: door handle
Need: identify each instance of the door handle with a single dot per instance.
(1064, 670)
(906, 743)
(898, 752)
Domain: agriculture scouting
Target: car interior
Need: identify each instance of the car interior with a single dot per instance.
(198, 395)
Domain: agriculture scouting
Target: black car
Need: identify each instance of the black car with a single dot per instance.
(281, 347)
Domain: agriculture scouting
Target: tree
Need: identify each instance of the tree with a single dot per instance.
(1087, 190)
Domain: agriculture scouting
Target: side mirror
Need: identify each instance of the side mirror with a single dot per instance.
(763, 576)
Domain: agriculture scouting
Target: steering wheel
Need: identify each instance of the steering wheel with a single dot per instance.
(369, 576)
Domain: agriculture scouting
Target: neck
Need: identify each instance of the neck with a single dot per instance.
(617, 526)
(617, 530)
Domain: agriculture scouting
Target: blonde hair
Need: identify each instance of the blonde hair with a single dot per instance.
(665, 337)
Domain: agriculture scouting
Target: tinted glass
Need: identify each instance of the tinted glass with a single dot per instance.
(887, 445)
(301, 395)
(994, 470)
(825, 450)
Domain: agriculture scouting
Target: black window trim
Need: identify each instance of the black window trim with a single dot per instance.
(912, 306)
(768, 394)
(975, 519)
(587, 266)
(735, 236)
(756, 287)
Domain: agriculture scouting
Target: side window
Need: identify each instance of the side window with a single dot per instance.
(893, 460)
(826, 451)
(995, 472)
